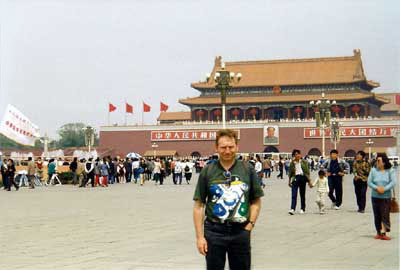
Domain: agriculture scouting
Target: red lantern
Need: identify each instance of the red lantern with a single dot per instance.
(355, 109)
(200, 113)
(335, 109)
(235, 112)
(217, 112)
(298, 110)
(253, 111)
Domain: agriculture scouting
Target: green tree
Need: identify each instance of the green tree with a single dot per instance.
(8, 143)
(72, 135)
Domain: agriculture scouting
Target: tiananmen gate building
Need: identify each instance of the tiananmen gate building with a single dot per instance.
(270, 109)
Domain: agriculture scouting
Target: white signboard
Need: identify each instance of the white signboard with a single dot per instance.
(18, 127)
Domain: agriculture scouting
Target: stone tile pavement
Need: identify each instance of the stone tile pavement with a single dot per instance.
(127, 226)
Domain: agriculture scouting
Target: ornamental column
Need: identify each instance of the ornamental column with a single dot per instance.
(289, 113)
(366, 110)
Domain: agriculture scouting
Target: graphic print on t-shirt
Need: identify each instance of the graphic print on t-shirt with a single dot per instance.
(229, 201)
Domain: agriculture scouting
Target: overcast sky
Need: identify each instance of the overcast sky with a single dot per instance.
(62, 61)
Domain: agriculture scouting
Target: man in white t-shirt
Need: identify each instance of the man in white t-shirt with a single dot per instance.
(178, 171)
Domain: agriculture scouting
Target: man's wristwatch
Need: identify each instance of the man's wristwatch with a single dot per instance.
(252, 223)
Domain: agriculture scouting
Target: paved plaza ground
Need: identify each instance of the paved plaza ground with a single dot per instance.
(127, 226)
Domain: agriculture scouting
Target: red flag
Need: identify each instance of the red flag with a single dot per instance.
(111, 107)
(129, 108)
(398, 99)
(163, 107)
(146, 108)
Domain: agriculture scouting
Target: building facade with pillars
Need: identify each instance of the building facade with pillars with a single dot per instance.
(282, 89)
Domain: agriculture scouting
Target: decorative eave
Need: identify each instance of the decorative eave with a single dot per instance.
(173, 116)
(279, 98)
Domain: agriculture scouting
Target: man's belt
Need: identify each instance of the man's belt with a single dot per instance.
(226, 222)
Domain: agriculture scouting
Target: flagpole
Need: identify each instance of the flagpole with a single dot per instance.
(142, 112)
(108, 117)
(125, 113)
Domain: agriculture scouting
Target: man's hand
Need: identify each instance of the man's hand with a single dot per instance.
(340, 174)
(290, 184)
(248, 227)
(380, 189)
(328, 174)
(202, 246)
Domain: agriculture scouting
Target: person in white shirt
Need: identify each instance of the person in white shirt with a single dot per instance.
(322, 190)
(188, 170)
(259, 170)
(157, 170)
(135, 169)
(178, 171)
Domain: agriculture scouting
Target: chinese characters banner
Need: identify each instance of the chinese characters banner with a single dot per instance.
(16, 126)
(353, 132)
(185, 135)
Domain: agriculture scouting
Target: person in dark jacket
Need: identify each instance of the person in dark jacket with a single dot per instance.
(128, 170)
(11, 174)
(73, 167)
(299, 175)
(336, 168)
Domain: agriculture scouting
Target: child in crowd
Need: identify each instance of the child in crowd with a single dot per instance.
(322, 190)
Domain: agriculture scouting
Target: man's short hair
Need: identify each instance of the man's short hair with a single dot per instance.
(295, 151)
(362, 153)
(334, 151)
(226, 133)
(271, 128)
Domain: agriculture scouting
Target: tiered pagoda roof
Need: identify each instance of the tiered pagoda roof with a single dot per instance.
(290, 72)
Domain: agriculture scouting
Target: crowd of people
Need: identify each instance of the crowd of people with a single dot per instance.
(329, 182)
(105, 171)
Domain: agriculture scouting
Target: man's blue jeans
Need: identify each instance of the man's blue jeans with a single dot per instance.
(227, 238)
(300, 183)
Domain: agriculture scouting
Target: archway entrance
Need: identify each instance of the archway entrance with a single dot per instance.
(350, 153)
(314, 152)
(195, 154)
(271, 149)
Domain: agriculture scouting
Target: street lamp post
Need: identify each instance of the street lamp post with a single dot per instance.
(323, 116)
(369, 143)
(154, 146)
(223, 79)
(335, 133)
(89, 136)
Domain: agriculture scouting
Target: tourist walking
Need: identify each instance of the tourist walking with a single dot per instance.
(73, 166)
(89, 170)
(322, 190)
(51, 170)
(228, 194)
(121, 172)
(361, 169)
(128, 170)
(336, 168)
(382, 180)
(299, 175)
(188, 169)
(104, 173)
(280, 168)
(39, 168)
(31, 173)
(4, 176)
(10, 174)
(267, 167)
(178, 172)
(97, 171)
(259, 170)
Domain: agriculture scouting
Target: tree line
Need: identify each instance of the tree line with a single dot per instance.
(70, 135)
